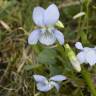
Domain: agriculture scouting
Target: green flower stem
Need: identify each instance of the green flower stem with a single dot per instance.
(88, 80)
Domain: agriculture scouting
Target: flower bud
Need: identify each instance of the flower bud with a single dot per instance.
(59, 24)
(79, 15)
(73, 59)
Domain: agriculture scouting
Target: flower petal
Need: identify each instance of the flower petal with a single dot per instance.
(34, 37)
(58, 78)
(47, 38)
(91, 56)
(78, 45)
(59, 36)
(81, 57)
(44, 87)
(38, 16)
(40, 78)
(51, 15)
(95, 48)
(56, 85)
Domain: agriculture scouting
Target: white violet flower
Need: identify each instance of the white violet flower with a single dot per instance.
(86, 54)
(45, 85)
(45, 19)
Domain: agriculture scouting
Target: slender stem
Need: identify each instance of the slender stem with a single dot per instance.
(87, 16)
(88, 80)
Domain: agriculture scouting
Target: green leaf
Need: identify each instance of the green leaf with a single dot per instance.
(47, 56)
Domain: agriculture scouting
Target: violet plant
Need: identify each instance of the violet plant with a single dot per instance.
(47, 34)
(54, 48)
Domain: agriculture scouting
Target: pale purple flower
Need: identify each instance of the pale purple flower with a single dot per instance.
(45, 85)
(46, 19)
(86, 54)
